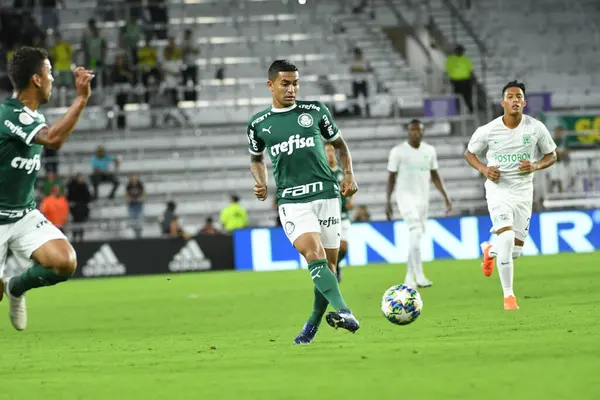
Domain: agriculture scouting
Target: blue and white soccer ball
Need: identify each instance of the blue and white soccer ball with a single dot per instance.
(401, 304)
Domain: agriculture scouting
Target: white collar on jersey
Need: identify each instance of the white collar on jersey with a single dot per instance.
(282, 110)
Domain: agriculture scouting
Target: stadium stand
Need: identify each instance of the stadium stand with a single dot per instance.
(200, 162)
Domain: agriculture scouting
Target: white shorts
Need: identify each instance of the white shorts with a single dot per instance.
(320, 216)
(414, 215)
(26, 236)
(506, 212)
(345, 229)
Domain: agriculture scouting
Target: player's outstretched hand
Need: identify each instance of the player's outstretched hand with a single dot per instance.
(528, 167)
(83, 77)
(349, 185)
(492, 173)
(389, 211)
(260, 191)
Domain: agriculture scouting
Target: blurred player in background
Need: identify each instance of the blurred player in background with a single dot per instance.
(411, 165)
(308, 194)
(510, 143)
(23, 134)
(345, 207)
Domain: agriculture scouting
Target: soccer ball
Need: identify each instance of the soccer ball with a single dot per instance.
(401, 304)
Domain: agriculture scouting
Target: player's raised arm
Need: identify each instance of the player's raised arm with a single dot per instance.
(332, 134)
(258, 168)
(57, 134)
(477, 144)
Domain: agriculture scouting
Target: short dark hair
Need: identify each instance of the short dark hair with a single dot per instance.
(415, 121)
(281, 66)
(26, 62)
(235, 198)
(512, 84)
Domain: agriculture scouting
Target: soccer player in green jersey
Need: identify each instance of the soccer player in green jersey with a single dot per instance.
(345, 210)
(308, 194)
(23, 134)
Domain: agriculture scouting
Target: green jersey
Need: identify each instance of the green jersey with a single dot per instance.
(338, 172)
(20, 159)
(294, 138)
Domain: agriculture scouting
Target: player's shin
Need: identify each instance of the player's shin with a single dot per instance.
(415, 254)
(326, 282)
(505, 244)
(341, 255)
(319, 307)
(35, 277)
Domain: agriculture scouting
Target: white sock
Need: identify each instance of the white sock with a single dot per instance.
(505, 244)
(414, 246)
(493, 251)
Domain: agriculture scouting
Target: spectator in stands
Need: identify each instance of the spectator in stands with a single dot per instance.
(50, 13)
(135, 9)
(62, 59)
(209, 227)
(79, 197)
(123, 80)
(50, 159)
(460, 72)
(159, 17)
(135, 195)
(50, 182)
(133, 32)
(31, 33)
(148, 66)
(362, 214)
(56, 208)
(360, 70)
(559, 175)
(122, 49)
(101, 166)
(94, 48)
(190, 69)
(172, 67)
(234, 216)
(170, 225)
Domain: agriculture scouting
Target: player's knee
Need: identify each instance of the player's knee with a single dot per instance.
(517, 252)
(65, 264)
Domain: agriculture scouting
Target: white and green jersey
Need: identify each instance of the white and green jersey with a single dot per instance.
(505, 148)
(339, 174)
(20, 159)
(294, 139)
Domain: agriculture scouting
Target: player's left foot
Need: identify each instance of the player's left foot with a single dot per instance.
(17, 309)
(343, 319)
(424, 282)
(510, 303)
(487, 266)
(307, 334)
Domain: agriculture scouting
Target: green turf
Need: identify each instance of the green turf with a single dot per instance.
(228, 336)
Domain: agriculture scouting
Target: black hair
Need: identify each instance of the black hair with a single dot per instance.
(209, 220)
(281, 66)
(415, 121)
(26, 62)
(512, 84)
(171, 206)
(235, 198)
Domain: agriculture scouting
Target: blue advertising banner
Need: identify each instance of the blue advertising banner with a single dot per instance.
(440, 106)
(269, 249)
(538, 102)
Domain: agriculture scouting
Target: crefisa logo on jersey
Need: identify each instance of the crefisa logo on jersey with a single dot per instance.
(305, 120)
(294, 142)
(27, 164)
(16, 129)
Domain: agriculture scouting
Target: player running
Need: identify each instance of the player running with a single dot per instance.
(308, 194)
(347, 205)
(510, 143)
(411, 165)
(23, 134)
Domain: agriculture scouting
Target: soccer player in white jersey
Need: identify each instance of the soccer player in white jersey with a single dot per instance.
(510, 143)
(411, 165)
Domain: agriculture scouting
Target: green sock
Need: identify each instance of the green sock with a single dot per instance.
(35, 277)
(327, 283)
(319, 308)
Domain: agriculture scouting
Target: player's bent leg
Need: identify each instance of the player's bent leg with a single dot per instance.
(505, 244)
(518, 249)
(341, 254)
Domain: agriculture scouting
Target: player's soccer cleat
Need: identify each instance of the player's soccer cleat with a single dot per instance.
(423, 283)
(487, 266)
(307, 335)
(510, 303)
(17, 310)
(343, 319)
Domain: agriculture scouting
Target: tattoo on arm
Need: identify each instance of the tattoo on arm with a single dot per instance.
(345, 157)
(258, 169)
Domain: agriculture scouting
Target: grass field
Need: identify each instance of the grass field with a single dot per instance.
(228, 336)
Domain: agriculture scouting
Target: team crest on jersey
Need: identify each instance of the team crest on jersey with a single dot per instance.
(305, 120)
(25, 119)
(289, 228)
(526, 139)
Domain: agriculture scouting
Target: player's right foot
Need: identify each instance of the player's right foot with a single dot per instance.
(343, 319)
(307, 335)
(487, 266)
(510, 303)
(17, 310)
(423, 283)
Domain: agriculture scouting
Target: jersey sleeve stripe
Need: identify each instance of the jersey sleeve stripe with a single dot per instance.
(333, 138)
(34, 132)
(255, 153)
